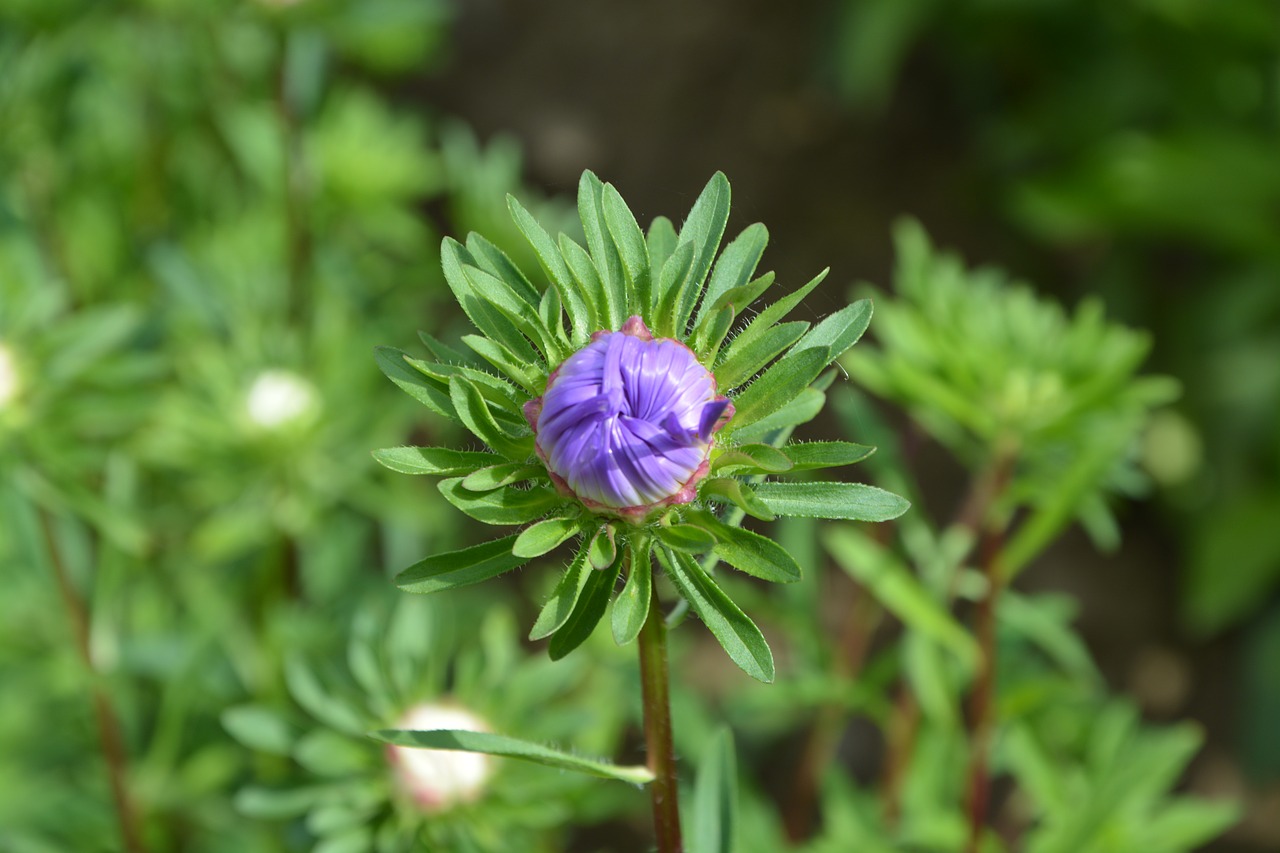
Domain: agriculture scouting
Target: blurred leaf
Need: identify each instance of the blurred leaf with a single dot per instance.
(715, 797)
(260, 728)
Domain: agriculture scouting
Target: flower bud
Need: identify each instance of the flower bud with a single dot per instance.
(8, 376)
(278, 398)
(626, 423)
(440, 778)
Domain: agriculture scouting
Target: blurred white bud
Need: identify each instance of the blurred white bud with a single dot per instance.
(8, 376)
(278, 398)
(440, 778)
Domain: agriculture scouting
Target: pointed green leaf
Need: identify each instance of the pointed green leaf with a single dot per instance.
(631, 607)
(442, 352)
(582, 318)
(746, 356)
(758, 458)
(802, 409)
(487, 318)
(675, 273)
(825, 454)
(508, 505)
(523, 316)
(737, 634)
(587, 612)
(630, 243)
(837, 332)
(709, 337)
(564, 598)
(502, 474)
(685, 537)
(847, 501)
(603, 252)
(703, 228)
(545, 536)
(735, 266)
(661, 241)
(729, 490)
(498, 392)
(474, 413)
(508, 747)
(899, 591)
(752, 553)
(715, 797)
(587, 275)
(460, 568)
(494, 261)
(777, 387)
(440, 461)
(431, 393)
(777, 311)
(525, 374)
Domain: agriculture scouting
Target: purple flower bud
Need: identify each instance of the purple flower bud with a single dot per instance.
(625, 424)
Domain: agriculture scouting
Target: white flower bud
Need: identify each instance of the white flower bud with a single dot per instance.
(278, 398)
(440, 778)
(8, 376)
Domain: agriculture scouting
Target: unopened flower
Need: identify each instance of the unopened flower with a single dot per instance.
(626, 422)
(634, 405)
(278, 398)
(8, 376)
(438, 778)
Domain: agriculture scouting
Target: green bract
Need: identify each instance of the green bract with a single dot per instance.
(682, 286)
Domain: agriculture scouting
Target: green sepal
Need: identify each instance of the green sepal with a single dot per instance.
(737, 634)
(564, 598)
(731, 491)
(631, 607)
(502, 474)
(582, 318)
(746, 356)
(750, 552)
(543, 537)
(509, 747)
(474, 413)
(438, 461)
(811, 456)
(752, 458)
(587, 612)
(508, 505)
(602, 550)
(685, 537)
(844, 501)
(460, 568)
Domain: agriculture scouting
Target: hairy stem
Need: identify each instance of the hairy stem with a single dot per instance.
(108, 722)
(655, 685)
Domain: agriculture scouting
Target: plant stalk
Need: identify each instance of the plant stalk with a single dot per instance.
(981, 702)
(655, 687)
(108, 723)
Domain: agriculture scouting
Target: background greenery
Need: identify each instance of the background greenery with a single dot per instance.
(196, 195)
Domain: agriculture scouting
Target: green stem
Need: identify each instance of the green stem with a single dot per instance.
(655, 686)
(108, 722)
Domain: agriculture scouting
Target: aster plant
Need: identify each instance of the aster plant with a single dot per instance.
(633, 411)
